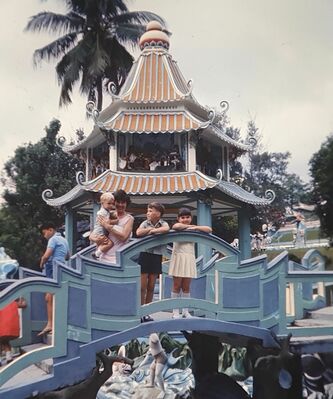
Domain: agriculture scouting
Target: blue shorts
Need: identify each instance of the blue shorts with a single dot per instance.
(49, 270)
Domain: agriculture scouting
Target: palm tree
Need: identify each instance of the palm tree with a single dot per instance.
(92, 49)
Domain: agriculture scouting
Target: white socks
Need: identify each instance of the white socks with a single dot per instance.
(175, 312)
(186, 313)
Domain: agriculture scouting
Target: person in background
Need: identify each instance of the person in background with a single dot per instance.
(57, 251)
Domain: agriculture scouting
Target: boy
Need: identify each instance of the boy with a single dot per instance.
(57, 250)
(151, 262)
(99, 235)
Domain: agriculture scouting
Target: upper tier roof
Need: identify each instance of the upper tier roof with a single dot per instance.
(155, 98)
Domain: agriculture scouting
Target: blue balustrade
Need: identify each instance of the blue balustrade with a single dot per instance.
(97, 304)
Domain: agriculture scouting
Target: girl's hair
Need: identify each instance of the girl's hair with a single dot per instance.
(184, 212)
(121, 196)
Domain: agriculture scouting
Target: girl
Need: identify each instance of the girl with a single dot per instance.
(182, 264)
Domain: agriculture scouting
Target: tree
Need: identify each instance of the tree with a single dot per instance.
(321, 169)
(34, 168)
(92, 49)
(268, 171)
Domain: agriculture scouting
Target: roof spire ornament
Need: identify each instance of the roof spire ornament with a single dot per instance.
(154, 36)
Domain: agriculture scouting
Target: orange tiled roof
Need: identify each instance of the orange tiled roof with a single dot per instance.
(155, 78)
(150, 184)
(153, 122)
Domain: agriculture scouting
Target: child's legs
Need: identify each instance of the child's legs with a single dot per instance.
(150, 287)
(185, 284)
(144, 282)
(5, 345)
(177, 284)
(106, 246)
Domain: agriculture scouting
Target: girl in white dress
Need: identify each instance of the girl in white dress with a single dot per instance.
(182, 263)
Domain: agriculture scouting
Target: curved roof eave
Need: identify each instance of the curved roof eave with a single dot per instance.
(224, 137)
(72, 194)
(237, 192)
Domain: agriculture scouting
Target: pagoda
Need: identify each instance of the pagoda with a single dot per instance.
(158, 143)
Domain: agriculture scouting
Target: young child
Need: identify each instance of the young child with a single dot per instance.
(99, 235)
(182, 263)
(151, 262)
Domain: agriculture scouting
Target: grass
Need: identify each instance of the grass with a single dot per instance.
(298, 253)
(310, 234)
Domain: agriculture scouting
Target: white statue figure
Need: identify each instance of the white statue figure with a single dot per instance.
(159, 362)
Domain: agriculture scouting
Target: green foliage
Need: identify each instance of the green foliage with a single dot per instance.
(321, 169)
(226, 227)
(268, 171)
(91, 46)
(32, 169)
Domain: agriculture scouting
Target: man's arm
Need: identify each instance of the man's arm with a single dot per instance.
(45, 257)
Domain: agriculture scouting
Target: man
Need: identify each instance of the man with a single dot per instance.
(57, 250)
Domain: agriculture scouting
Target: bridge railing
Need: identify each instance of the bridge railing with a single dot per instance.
(95, 299)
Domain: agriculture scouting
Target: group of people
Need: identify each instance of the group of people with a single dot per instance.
(113, 229)
(152, 159)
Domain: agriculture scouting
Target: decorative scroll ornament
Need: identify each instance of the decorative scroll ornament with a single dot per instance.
(252, 140)
(190, 87)
(92, 110)
(219, 175)
(60, 141)
(211, 117)
(270, 195)
(80, 178)
(47, 194)
(112, 89)
(225, 106)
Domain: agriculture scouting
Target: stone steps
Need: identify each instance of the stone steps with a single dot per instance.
(45, 365)
(322, 314)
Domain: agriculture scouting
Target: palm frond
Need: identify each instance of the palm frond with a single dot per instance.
(93, 7)
(128, 34)
(52, 22)
(119, 56)
(98, 62)
(56, 48)
(71, 76)
(138, 17)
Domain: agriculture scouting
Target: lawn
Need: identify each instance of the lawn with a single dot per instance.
(297, 254)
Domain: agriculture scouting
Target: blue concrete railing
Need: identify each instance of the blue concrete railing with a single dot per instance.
(95, 301)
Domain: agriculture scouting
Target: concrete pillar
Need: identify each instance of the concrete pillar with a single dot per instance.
(204, 218)
(71, 230)
(244, 231)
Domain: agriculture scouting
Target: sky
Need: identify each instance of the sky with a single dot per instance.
(272, 60)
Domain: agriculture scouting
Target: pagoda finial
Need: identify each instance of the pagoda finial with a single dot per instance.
(154, 36)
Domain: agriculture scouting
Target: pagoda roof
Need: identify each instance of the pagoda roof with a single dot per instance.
(136, 121)
(141, 184)
(155, 77)
(154, 184)
(235, 191)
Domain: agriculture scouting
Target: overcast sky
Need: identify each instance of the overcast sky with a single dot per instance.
(272, 60)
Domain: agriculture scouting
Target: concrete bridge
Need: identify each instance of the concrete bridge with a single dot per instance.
(97, 305)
